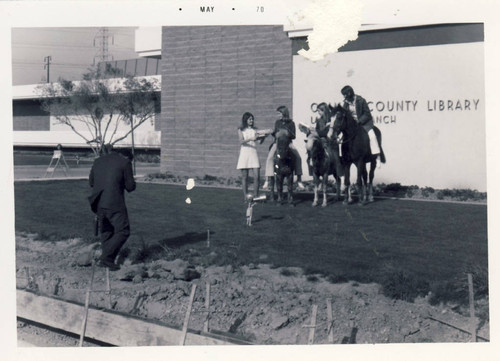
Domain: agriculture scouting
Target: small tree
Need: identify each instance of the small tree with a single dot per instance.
(103, 102)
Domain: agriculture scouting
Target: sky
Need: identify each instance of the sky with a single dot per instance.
(72, 51)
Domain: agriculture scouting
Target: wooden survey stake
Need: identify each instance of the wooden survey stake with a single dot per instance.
(473, 323)
(86, 308)
(186, 318)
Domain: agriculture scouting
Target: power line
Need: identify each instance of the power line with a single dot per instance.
(57, 64)
(54, 45)
(60, 45)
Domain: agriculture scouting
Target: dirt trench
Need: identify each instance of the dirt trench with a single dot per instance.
(258, 303)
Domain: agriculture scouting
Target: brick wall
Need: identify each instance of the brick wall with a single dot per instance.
(27, 115)
(211, 75)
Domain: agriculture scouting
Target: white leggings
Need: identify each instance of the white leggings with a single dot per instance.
(270, 161)
(373, 142)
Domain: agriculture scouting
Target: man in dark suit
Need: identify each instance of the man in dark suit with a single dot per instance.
(358, 107)
(110, 175)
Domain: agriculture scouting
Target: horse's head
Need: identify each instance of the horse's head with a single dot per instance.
(312, 141)
(282, 139)
(340, 122)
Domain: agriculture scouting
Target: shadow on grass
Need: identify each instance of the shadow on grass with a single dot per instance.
(299, 198)
(267, 218)
(186, 238)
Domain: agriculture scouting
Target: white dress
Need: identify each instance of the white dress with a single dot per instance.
(248, 152)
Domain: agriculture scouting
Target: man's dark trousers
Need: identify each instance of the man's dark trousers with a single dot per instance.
(110, 175)
(115, 230)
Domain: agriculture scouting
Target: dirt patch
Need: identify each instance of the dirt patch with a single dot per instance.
(255, 302)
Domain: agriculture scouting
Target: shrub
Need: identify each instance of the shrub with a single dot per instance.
(401, 285)
(147, 158)
(337, 278)
(457, 290)
(312, 278)
(395, 189)
(426, 191)
(209, 178)
(159, 175)
(461, 194)
(287, 272)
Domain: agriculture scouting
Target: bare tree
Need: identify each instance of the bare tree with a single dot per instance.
(110, 107)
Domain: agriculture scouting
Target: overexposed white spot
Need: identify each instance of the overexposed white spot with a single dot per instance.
(188, 200)
(335, 22)
(190, 184)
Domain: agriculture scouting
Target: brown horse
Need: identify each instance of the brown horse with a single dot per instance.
(284, 167)
(323, 163)
(356, 149)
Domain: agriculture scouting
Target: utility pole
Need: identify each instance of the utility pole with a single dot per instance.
(47, 60)
(133, 143)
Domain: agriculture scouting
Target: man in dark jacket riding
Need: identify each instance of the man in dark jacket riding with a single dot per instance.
(110, 175)
(358, 107)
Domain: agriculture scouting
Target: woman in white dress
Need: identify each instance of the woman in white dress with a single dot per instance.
(248, 135)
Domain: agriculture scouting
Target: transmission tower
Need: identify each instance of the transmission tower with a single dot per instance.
(101, 41)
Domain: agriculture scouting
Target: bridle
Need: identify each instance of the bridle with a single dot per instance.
(344, 141)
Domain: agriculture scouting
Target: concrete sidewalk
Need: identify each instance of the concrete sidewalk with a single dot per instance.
(37, 172)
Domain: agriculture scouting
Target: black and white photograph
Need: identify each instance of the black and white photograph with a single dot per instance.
(312, 175)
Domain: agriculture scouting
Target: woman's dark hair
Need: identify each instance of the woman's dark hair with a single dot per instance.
(244, 120)
(284, 110)
(326, 111)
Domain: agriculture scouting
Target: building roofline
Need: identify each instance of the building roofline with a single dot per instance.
(29, 91)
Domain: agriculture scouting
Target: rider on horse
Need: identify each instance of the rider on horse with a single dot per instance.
(321, 131)
(284, 122)
(358, 107)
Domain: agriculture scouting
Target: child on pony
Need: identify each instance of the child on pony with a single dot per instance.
(284, 122)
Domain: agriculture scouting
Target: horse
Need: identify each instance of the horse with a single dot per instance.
(356, 149)
(323, 163)
(284, 167)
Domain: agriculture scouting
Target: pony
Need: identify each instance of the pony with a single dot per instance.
(323, 163)
(323, 153)
(356, 150)
(284, 167)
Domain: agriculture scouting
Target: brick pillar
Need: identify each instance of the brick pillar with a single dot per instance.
(211, 75)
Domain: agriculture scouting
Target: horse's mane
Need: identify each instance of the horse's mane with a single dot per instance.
(350, 123)
(282, 138)
(335, 109)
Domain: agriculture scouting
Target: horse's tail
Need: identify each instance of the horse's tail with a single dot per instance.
(378, 134)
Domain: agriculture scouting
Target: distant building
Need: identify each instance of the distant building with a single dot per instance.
(34, 127)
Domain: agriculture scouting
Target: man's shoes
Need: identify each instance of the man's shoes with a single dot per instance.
(108, 264)
(300, 185)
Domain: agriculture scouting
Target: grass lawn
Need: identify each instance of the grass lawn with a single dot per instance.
(433, 242)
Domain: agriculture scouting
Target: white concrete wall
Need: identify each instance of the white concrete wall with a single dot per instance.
(144, 136)
(148, 41)
(425, 145)
(68, 138)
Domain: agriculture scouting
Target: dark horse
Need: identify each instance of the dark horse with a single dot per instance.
(284, 166)
(323, 163)
(356, 149)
